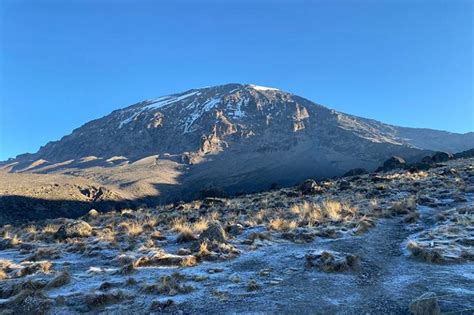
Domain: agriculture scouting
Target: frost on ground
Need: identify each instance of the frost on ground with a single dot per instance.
(362, 244)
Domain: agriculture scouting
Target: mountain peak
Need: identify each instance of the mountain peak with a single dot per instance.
(245, 117)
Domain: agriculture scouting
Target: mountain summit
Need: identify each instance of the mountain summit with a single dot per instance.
(237, 137)
(211, 119)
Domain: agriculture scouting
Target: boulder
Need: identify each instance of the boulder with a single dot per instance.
(464, 154)
(344, 185)
(91, 215)
(355, 172)
(213, 233)
(74, 229)
(427, 160)
(427, 304)
(440, 157)
(234, 229)
(309, 187)
(394, 162)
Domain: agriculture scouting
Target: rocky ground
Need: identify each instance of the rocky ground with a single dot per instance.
(369, 244)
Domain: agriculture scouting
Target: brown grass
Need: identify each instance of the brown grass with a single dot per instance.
(185, 231)
(96, 300)
(332, 209)
(60, 280)
(169, 285)
(280, 224)
(200, 225)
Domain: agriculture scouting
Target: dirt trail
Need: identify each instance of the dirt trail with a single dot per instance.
(387, 281)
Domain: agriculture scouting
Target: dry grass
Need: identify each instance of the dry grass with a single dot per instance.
(31, 229)
(404, 206)
(95, 300)
(43, 267)
(60, 280)
(185, 231)
(332, 209)
(169, 285)
(200, 225)
(50, 229)
(280, 224)
(44, 253)
(253, 285)
(203, 249)
(432, 255)
(132, 229)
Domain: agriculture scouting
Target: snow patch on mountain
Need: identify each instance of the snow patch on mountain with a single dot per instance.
(262, 88)
(158, 103)
(168, 100)
(199, 111)
(235, 109)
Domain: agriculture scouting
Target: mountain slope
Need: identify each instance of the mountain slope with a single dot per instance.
(236, 137)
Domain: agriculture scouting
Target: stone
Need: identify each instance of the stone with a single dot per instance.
(440, 157)
(234, 229)
(213, 233)
(310, 186)
(355, 172)
(426, 304)
(394, 162)
(74, 229)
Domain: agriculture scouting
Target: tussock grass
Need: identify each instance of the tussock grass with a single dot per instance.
(169, 285)
(200, 225)
(98, 299)
(204, 249)
(43, 267)
(60, 280)
(332, 209)
(44, 253)
(50, 229)
(280, 224)
(185, 231)
(132, 229)
(404, 206)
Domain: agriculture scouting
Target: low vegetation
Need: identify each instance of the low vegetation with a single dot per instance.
(57, 255)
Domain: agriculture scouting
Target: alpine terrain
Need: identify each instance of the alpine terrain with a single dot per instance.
(222, 140)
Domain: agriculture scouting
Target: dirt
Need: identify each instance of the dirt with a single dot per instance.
(386, 283)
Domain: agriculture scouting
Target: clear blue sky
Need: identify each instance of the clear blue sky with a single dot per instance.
(63, 63)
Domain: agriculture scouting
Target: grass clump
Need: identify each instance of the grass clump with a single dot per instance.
(60, 280)
(169, 285)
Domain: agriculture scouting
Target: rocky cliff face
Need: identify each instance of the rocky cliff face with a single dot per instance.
(240, 137)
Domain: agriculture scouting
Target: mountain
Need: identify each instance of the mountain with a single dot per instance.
(233, 137)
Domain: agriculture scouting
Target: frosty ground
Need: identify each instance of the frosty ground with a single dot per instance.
(409, 233)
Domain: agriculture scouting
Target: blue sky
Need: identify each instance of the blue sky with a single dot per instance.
(63, 63)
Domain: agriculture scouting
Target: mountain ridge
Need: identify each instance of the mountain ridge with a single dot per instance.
(127, 116)
(236, 138)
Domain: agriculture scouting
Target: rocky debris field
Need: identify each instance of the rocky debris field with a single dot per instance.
(392, 243)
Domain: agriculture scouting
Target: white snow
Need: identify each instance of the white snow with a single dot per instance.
(236, 108)
(167, 100)
(262, 88)
(157, 103)
(207, 106)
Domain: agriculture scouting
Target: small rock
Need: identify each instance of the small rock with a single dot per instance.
(426, 304)
(234, 229)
